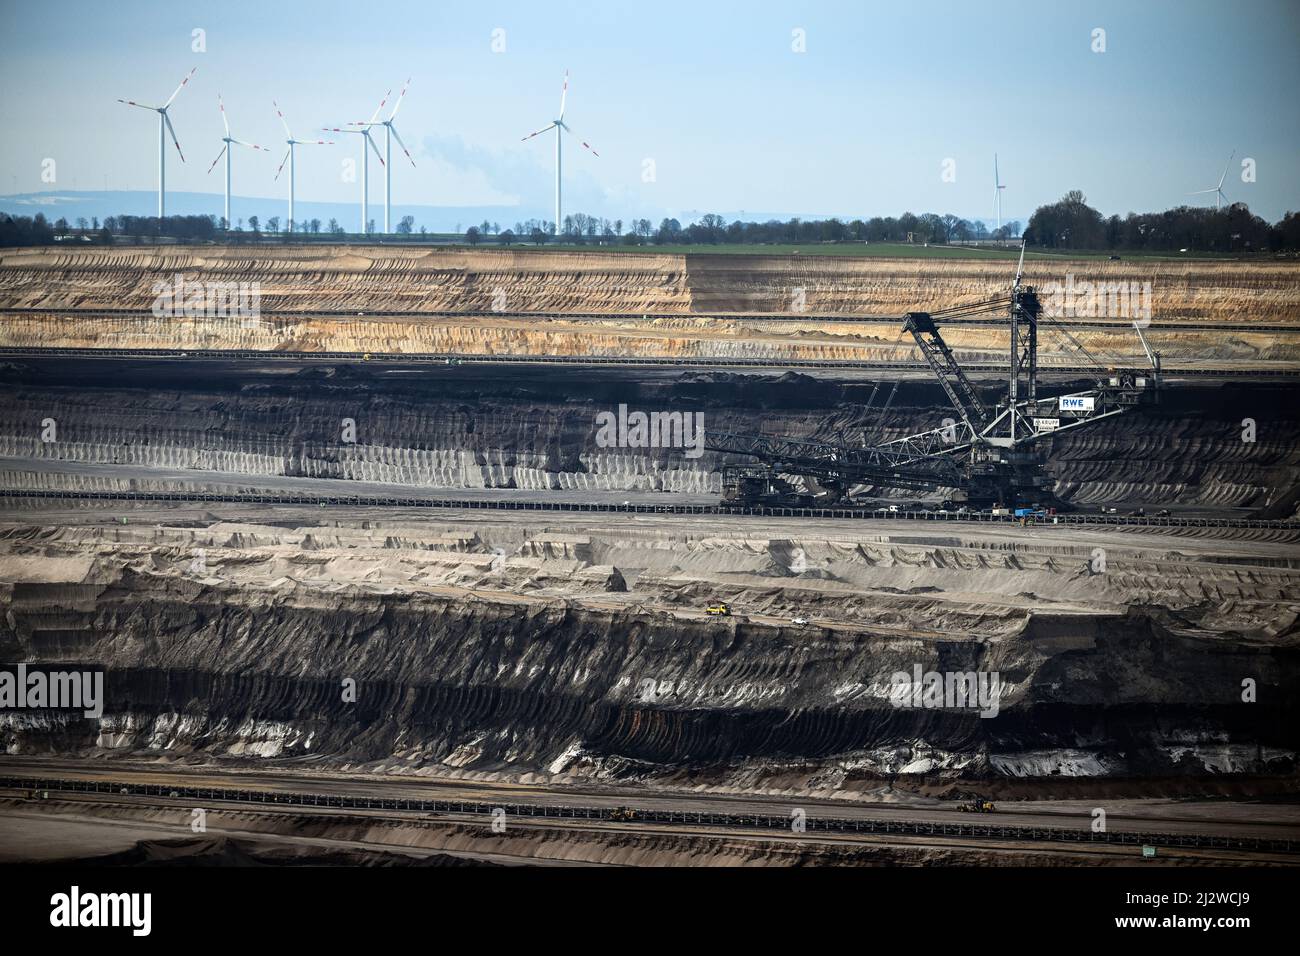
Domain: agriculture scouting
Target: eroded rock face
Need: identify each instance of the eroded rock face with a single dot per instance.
(536, 430)
(465, 662)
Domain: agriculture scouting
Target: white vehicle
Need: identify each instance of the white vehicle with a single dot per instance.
(800, 621)
(893, 509)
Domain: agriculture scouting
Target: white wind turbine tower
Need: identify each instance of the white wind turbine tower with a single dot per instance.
(560, 128)
(1219, 198)
(288, 156)
(390, 132)
(227, 142)
(997, 190)
(164, 121)
(363, 130)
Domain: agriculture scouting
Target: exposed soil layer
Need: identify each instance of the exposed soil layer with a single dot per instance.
(499, 288)
(378, 278)
(576, 650)
(537, 430)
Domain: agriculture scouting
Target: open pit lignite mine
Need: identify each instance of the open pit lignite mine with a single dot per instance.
(572, 650)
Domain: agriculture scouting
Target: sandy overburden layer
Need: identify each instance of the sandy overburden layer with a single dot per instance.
(298, 285)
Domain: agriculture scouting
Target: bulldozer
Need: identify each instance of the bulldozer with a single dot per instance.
(622, 814)
(977, 805)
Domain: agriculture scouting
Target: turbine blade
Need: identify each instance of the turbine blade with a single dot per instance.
(224, 147)
(538, 133)
(585, 144)
(401, 144)
(1225, 167)
(250, 145)
(179, 88)
(283, 122)
(996, 180)
(564, 93)
(222, 107)
(141, 105)
(398, 105)
(376, 149)
(282, 162)
(1197, 192)
(380, 106)
(168, 120)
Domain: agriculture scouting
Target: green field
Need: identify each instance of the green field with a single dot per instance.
(897, 250)
(884, 250)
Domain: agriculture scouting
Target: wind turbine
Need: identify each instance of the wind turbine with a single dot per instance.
(390, 132)
(227, 142)
(288, 156)
(997, 190)
(1219, 198)
(560, 128)
(164, 121)
(364, 132)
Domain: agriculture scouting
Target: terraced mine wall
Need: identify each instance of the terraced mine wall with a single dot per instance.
(378, 278)
(199, 669)
(603, 304)
(536, 429)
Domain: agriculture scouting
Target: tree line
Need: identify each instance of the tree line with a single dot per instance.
(711, 229)
(1069, 224)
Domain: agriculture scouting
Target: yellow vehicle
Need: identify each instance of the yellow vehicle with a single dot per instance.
(721, 609)
(625, 814)
(977, 805)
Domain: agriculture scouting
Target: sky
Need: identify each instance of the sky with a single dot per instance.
(749, 107)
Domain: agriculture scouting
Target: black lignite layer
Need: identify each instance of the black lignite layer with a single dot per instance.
(535, 687)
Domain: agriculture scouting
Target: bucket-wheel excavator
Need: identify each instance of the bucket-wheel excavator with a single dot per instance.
(985, 455)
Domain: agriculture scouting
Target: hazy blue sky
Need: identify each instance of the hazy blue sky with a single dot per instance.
(712, 92)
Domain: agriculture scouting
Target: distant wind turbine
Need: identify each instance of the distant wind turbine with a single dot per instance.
(1219, 198)
(288, 156)
(228, 141)
(164, 121)
(363, 130)
(390, 133)
(997, 190)
(560, 128)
